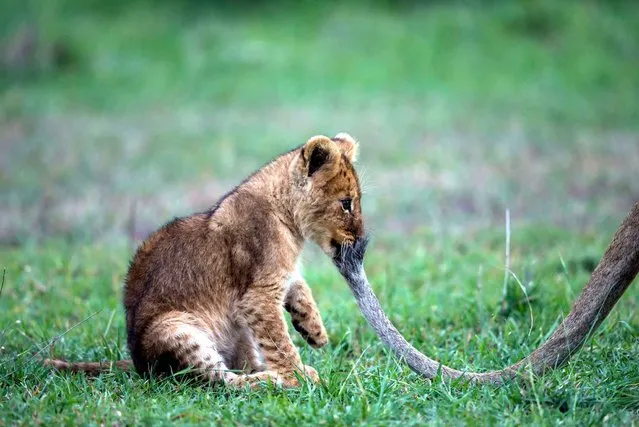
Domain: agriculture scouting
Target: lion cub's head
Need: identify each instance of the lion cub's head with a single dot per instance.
(329, 208)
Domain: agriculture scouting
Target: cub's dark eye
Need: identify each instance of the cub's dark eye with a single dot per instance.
(347, 204)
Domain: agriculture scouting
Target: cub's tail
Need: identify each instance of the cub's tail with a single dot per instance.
(90, 368)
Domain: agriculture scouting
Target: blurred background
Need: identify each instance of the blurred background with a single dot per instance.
(117, 115)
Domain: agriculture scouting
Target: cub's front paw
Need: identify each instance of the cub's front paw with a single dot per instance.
(319, 340)
(311, 374)
(255, 381)
(292, 379)
(312, 330)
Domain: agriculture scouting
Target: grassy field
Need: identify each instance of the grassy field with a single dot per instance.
(463, 110)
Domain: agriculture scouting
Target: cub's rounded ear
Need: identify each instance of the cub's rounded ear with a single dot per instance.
(348, 145)
(319, 153)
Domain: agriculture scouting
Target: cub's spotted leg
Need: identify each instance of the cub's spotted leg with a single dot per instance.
(305, 316)
(177, 340)
(261, 307)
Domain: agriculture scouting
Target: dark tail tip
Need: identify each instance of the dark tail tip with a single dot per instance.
(349, 259)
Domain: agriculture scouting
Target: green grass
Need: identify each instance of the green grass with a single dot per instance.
(433, 298)
(463, 109)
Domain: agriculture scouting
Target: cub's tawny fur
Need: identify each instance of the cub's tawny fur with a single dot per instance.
(208, 291)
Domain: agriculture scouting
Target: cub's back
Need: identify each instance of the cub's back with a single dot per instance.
(168, 266)
(208, 258)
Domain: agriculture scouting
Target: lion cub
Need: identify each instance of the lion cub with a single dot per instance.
(207, 291)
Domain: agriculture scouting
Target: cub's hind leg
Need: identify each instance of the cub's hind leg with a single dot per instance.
(177, 340)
